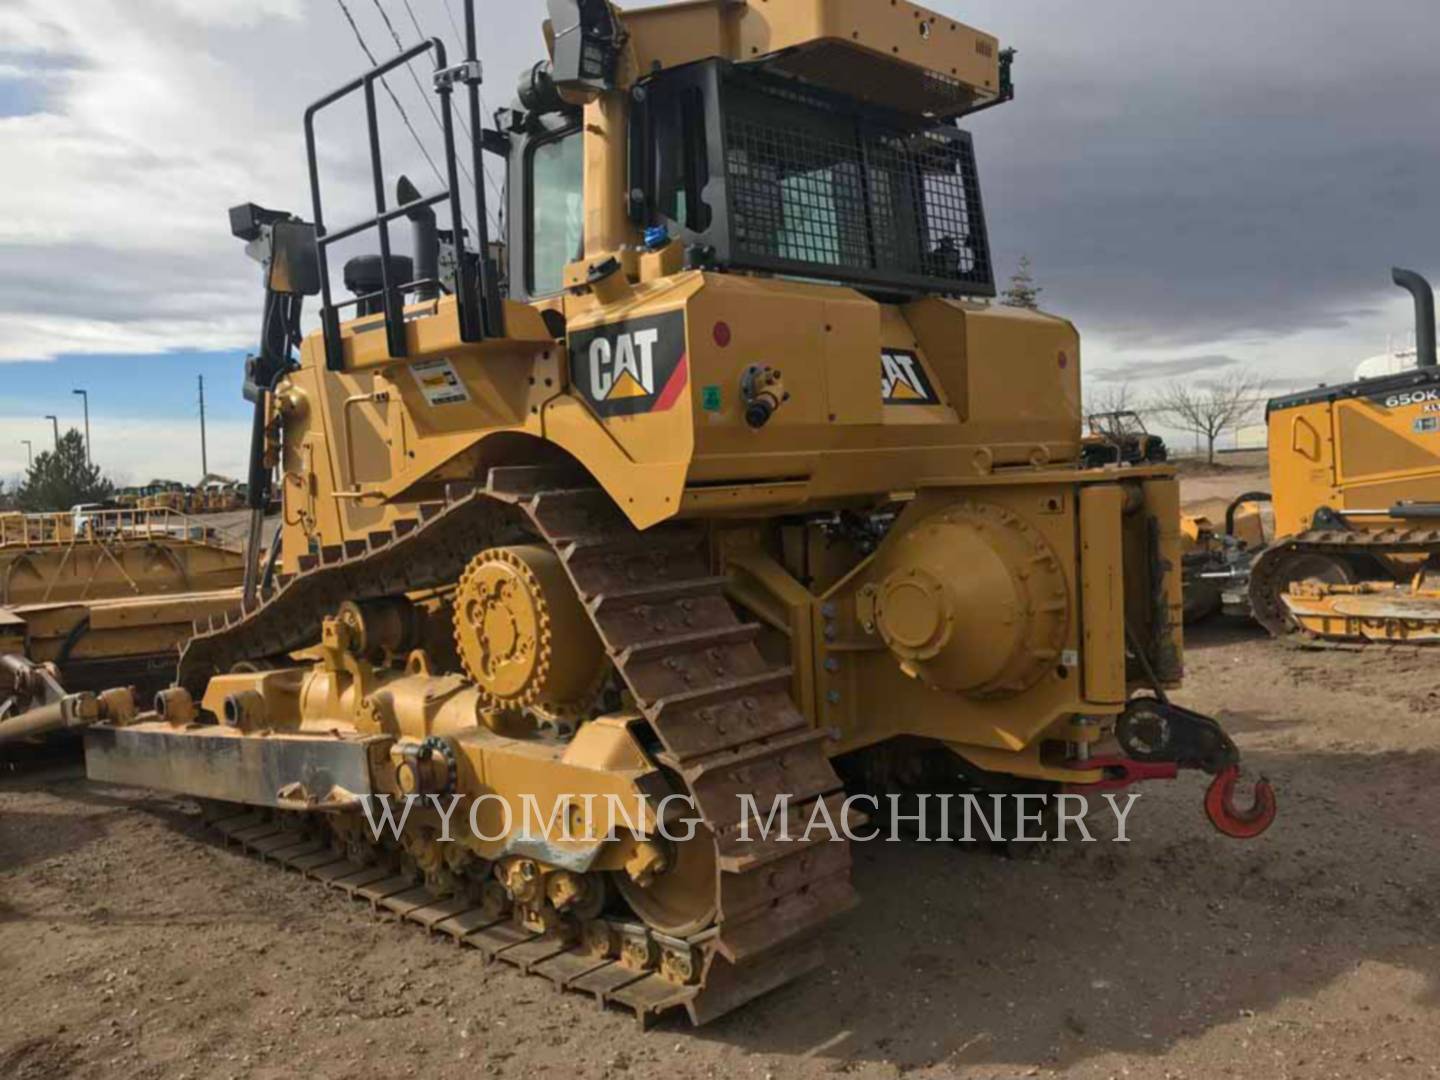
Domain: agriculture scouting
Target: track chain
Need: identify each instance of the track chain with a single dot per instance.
(618, 963)
(1267, 579)
(722, 712)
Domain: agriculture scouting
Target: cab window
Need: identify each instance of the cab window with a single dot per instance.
(557, 213)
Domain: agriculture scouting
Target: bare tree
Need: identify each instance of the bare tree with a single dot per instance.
(1211, 408)
(1112, 398)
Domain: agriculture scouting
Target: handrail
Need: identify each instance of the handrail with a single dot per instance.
(478, 308)
(67, 528)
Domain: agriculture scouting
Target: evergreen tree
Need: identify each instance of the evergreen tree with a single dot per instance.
(1023, 292)
(61, 478)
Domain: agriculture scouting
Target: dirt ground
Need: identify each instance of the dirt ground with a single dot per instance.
(132, 945)
(1207, 490)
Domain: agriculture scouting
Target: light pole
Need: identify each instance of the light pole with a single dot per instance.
(29, 451)
(56, 421)
(204, 453)
(85, 397)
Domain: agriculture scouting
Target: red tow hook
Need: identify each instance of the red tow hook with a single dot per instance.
(1220, 806)
(1121, 772)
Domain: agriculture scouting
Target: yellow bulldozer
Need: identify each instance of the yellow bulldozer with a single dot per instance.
(1355, 473)
(91, 598)
(218, 495)
(735, 494)
(164, 495)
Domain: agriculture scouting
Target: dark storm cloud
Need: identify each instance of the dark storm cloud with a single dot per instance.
(1163, 369)
(1181, 174)
(1184, 172)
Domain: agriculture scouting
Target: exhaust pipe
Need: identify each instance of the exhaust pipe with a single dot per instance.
(1424, 296)
(425, 241)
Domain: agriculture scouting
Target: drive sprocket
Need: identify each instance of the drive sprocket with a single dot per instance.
(523, 635)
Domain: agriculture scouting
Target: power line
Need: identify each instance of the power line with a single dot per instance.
(359, 37)
(484, 109)
(420, 32)
(497, 216)
(455, 26)
(429, 105)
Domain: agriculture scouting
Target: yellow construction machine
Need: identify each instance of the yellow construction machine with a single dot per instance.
(1121, 438)
(736, 492)
(165, 495)
(1355, 473)
(1216, 561)
(218, 495)
(86, 555)
(91, 598)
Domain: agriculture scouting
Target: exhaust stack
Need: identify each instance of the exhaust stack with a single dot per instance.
(1424, 296)
(425, 240)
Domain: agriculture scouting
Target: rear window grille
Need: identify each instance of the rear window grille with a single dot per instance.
(820, 190)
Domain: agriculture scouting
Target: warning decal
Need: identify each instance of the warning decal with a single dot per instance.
(439, 382)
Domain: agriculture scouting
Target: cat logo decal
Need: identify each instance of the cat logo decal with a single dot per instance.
(903, 380)
(631, 367)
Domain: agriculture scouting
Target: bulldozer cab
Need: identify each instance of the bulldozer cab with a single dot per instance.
(1361, 454)
(749, 168)
(742, 137)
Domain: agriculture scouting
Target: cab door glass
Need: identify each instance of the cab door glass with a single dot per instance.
(557, 211)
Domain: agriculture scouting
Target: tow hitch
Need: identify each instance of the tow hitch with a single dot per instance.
(1159, 738)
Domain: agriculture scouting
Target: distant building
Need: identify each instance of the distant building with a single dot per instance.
(1252, 437)
(1390, 363)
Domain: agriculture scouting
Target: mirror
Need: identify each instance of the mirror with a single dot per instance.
(294, 259)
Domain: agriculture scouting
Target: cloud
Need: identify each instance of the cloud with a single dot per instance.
(1174, 187)
(234, 12)
(133, 451)
(1182, 192)
(1139, 370)
(156, 117)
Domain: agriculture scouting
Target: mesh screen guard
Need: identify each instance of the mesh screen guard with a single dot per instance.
(807, 183)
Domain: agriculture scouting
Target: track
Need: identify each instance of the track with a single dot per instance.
(722, 713)
(1268, 580)
(602, 963)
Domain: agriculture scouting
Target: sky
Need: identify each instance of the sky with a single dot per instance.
(1201, 187)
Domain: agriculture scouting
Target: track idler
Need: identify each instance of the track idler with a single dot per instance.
(1152, 731)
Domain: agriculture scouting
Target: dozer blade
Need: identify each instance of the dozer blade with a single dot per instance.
(1368, 612)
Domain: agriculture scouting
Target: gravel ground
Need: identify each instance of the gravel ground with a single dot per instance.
(132, 945)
